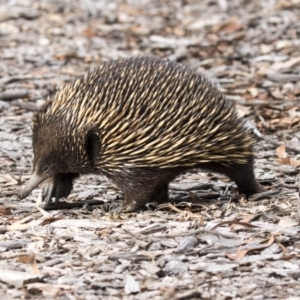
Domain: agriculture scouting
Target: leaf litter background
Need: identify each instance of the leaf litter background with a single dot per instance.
(212, 249)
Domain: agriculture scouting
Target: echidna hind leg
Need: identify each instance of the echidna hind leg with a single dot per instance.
(241, 174)
(135, 200)
(136, 191)
(142, 186)
(161, 195)
(137, 196)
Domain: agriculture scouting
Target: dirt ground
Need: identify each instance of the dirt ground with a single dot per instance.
(203, 245)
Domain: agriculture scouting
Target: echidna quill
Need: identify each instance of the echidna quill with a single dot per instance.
(140, 122)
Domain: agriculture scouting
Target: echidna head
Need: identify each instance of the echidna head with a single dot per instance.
(58, 150)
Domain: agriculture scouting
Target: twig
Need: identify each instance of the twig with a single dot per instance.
(235, 222)
(283, 77)
(263, 195)
(191, 233)
(14, 94)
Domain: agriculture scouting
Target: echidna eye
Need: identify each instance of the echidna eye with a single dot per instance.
(45, 169)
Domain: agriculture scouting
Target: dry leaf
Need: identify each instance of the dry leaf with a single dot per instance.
(281, 151)
(26, 259)
(238, 255)
(253, 91)
(8, 179)
(104, 231)
(18, 227)
(50, 220)
(284, 159)
(5, 211)
(286, 64)
(35, 268)
(294, 163)
(287, 222)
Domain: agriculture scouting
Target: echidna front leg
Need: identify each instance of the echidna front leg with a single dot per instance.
(58, 187)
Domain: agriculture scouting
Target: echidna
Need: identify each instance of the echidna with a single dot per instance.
(140, 122)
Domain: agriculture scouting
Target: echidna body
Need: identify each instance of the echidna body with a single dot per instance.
(140, 122)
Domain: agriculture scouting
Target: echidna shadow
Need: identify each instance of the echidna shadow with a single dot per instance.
(140, 122)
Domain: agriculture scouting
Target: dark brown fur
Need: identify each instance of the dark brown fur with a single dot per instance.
(140, 122)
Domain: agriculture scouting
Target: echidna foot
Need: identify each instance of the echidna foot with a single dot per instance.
(161, 195)
(57, 187)
(132, 206)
